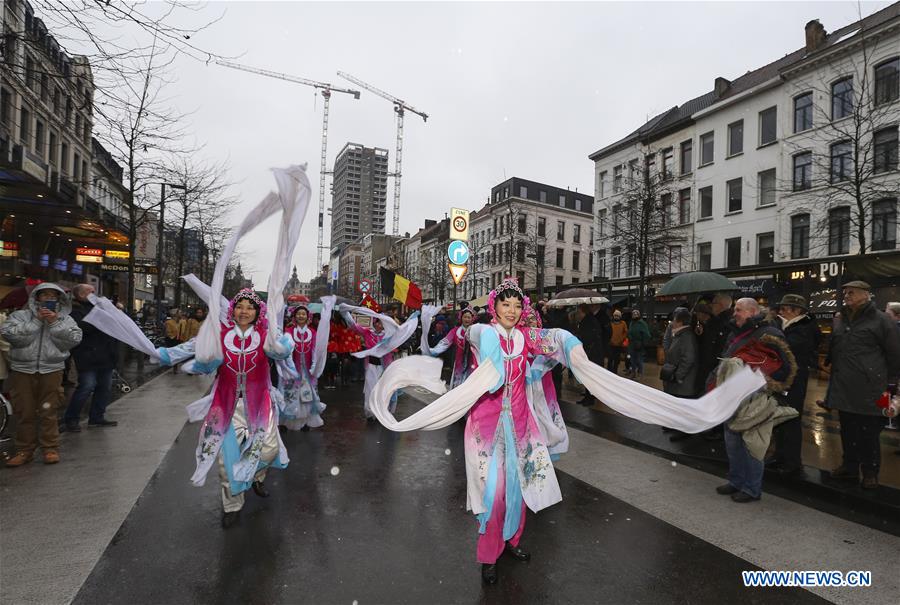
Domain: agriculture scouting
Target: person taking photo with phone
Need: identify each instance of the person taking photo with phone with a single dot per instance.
(40, 337)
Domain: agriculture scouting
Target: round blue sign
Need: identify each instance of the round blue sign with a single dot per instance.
(458, 252)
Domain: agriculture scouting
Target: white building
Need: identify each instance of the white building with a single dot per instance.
(762, 167)
(538, 233)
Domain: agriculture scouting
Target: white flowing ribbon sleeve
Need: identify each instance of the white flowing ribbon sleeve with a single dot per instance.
(320, 351)
(295, 192)
(425, 372)
(110, 320)
(652, 406)
(390, 326)
(392, 341)
(440, 347)
(428, 313)
(204, 292)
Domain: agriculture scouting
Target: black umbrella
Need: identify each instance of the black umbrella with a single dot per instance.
(696, 282)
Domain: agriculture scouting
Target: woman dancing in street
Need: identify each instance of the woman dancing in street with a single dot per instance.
(464, 361)
(302, 408)
(508, 462)
(240, 424)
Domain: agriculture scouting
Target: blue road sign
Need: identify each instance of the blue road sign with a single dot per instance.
(458, 252)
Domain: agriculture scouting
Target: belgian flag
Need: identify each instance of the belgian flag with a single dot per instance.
(400, 288)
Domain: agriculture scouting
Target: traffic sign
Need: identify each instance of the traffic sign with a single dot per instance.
(458, 252)
(364, 286)
(457, 272)
(459, 224)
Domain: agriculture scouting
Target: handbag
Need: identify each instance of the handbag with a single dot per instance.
(667, 372)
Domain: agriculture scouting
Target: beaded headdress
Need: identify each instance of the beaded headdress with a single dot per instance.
(508, 284)
(249, 294)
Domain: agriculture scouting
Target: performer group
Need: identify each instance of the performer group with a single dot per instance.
(500, 382)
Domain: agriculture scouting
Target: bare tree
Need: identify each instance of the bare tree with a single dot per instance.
(648, 226)
(433, 272)
(850, 150)
(204, 195)
(139, 132)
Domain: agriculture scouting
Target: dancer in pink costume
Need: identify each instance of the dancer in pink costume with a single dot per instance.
(302, 408)
(464, 359)
(239, 416)
(507, 438)
(543, 394)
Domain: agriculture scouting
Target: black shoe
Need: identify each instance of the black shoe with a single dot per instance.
(229, 519)
(870, 481)
(102, 423)
(73, 427)
(305, 428)
(489, 573)
(743, 497)
(587, 401)
(260, 488)
(517, 553)
(726, 489)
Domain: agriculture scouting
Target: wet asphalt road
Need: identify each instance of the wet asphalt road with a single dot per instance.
(391, 527)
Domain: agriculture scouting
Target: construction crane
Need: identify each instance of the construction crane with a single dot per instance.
(326, 89)
(400, 107)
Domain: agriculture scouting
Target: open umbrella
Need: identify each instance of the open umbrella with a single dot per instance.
(577, 296)
(696, 282)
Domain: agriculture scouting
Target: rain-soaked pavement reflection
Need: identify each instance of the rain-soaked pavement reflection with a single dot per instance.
(369, 516)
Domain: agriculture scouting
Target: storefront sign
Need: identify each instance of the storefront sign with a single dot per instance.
(117, 254)
(87, 258)
(9, 249)
(755, 288)
(823, 301)
(123, 268)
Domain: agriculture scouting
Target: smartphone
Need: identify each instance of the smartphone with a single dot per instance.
(50, 305)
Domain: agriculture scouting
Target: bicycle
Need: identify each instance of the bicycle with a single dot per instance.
(6, 412)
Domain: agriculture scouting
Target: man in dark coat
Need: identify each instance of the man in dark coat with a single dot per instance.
(591, 337)
(712, 340)
(865, 358)
(95, 358)
(680, 368)
(803, 336)
(762, 346)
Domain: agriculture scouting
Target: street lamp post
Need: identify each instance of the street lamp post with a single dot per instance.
(160, 284)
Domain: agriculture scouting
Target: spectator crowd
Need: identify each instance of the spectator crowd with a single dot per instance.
(39, 340)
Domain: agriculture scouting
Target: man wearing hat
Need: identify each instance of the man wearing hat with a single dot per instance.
(865, 358)
(802, 335)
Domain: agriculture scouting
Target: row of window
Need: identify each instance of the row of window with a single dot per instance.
(887, 90)
(622, 262)
(883, 233)
(502, 226)
(542, 197)
(480, 286)
(884, 152)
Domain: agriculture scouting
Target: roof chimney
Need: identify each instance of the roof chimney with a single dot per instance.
(721, 87)
(815, 35)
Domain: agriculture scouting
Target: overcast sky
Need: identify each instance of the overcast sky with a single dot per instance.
(512, 89)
